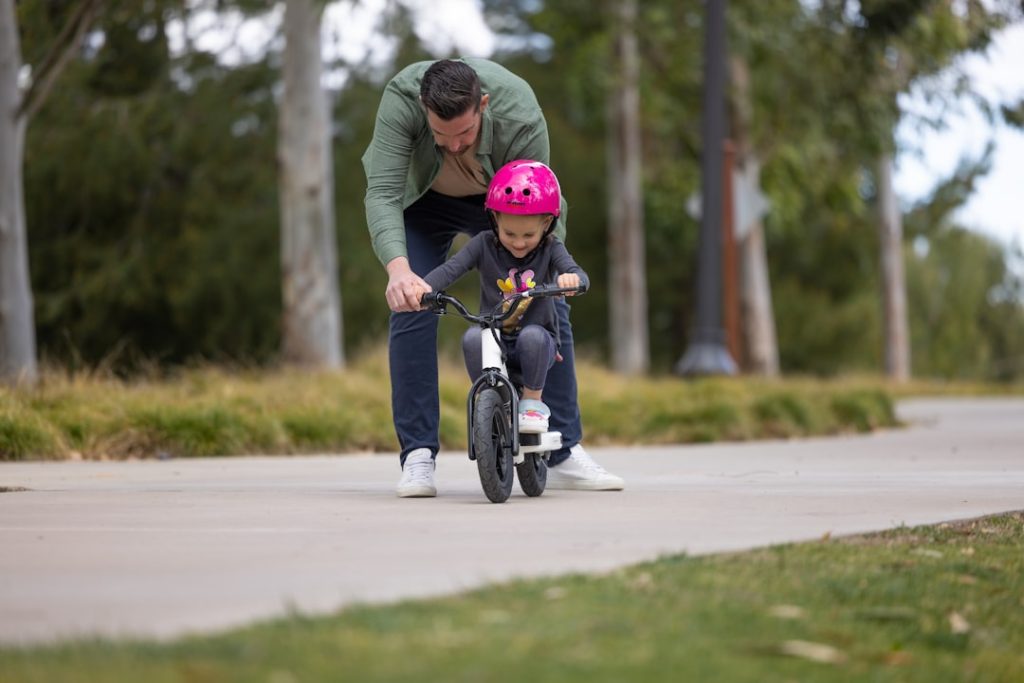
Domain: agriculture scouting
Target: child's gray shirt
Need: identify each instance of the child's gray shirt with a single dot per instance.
(497, 265)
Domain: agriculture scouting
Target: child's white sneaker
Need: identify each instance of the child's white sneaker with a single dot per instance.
(533, 416)
(417, 475)
(579, 472)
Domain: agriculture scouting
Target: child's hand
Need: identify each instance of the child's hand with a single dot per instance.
(569, 280)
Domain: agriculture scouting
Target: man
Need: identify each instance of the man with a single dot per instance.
(442, 130)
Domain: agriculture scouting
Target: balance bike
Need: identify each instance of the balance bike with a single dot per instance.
(492, 408)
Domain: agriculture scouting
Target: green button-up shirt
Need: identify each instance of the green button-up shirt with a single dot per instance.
(402, 160)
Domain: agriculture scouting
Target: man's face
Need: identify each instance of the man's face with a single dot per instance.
(457, 135)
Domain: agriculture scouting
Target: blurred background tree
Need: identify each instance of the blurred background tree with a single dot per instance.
(26, 79)
(152, 199)
(152, 203)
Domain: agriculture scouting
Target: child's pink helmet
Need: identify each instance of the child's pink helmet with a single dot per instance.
(524, 187)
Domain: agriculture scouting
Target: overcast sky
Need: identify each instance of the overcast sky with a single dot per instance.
(995, 207)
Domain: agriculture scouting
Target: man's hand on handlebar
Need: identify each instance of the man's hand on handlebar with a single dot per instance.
(405, 288)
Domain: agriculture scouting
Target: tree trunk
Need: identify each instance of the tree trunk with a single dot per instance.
(17, 320)
(627, 281)
(312, 325)
(761, 344)
(894, 296)
(761, 348)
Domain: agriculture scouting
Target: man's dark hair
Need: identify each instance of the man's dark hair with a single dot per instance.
(450, 88)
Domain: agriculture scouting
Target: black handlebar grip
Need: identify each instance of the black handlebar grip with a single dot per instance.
(429, 300)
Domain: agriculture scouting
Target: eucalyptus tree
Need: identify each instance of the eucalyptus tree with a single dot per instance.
(312, 325)
(18, 102)
(893, 46)
(627, 263)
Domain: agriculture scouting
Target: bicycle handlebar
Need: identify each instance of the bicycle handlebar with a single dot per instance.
(438, 301)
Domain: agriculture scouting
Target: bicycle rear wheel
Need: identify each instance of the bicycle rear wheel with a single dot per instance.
(533, 474)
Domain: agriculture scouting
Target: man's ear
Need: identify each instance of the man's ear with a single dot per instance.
(484, 99)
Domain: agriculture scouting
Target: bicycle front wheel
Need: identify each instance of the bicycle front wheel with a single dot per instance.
(492, 443)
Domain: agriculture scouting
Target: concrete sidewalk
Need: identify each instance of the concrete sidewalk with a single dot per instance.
(162, 548)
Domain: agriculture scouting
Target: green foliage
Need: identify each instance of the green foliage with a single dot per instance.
(912, 604)
(964, 315)
(1014, 115)
(200, 430)
(617, 410)
(134, 55)
(163, 244)
(964, 294)
(786, 414)
(865, 410)
(24, 436)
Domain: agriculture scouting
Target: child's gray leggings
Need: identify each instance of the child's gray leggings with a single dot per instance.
(529, 354)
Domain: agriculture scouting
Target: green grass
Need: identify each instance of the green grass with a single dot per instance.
(213, 411)
(619, 409)
(200, 412)
(928, 604)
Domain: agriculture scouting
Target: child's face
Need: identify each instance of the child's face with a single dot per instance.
(521, 234)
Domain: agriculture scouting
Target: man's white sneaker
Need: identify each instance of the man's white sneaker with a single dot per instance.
(579, 472)
(417, 475)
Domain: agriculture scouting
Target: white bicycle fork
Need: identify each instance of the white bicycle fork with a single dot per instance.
(490, 355)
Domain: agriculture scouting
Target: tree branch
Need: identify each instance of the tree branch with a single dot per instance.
(56, 59)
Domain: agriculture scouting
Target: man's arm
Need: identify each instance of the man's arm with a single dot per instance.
(386, 163)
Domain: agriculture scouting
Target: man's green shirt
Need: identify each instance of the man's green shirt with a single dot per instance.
(402, 160)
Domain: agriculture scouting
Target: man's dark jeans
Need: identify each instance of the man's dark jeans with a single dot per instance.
(430, 226)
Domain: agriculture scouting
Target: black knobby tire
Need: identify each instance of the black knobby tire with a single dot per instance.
(533, 474)
(492, 442)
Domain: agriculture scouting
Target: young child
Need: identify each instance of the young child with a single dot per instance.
(520, 253)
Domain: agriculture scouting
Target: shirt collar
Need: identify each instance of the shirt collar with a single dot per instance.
(486, 132)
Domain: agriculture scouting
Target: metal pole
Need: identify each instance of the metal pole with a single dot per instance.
(707, 354)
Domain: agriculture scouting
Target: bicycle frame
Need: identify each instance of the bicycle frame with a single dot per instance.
(495, 374)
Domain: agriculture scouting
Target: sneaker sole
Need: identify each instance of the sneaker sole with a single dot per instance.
(417, 492)
(584, 485)
(532, 428)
